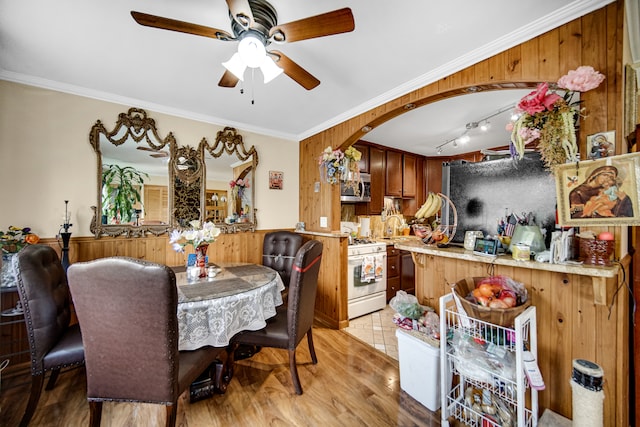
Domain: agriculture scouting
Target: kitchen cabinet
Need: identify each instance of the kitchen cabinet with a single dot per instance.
(407, 273)
(393, 174)
(377, 168)
(393, 272)
(363, 164)
(400, 174)
(409, 175)
(400, 272)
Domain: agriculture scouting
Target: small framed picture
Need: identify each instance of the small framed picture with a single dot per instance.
(275, 180)
(601, 145)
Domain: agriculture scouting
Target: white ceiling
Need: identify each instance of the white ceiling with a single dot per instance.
(95, 49)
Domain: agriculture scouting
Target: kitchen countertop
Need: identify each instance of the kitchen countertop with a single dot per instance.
(604, 279)
(460, 253)
(324, 234)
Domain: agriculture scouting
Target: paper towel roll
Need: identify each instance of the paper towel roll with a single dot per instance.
(365, 227)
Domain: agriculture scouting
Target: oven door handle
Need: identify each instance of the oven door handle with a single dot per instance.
(357, 259)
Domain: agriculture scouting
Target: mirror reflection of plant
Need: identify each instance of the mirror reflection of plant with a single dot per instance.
(120, 191)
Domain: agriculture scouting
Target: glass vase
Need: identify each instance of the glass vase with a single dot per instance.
(201, 256)
(7, 273)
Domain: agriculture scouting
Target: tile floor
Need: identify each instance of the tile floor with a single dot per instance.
(376, 329)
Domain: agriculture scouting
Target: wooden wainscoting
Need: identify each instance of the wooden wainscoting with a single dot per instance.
(331, 309)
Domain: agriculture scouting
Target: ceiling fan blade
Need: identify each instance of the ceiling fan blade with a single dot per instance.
(180, 26)
(326, 24)
(143, 148)
(293, 70)
(241, 12)
(228, 79)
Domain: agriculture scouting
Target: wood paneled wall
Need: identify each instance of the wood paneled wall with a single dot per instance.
(239, 247)
(595, 39)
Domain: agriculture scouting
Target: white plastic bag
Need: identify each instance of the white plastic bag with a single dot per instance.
(406, 305)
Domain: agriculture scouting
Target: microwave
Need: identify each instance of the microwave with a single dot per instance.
(348, 194)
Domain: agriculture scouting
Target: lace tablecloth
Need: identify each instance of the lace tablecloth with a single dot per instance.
(212, 310)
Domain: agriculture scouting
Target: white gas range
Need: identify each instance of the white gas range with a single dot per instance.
(367, 291)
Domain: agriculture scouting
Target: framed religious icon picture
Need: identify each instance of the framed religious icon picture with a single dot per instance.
(599, 192)
(601, 145)
(275, 180)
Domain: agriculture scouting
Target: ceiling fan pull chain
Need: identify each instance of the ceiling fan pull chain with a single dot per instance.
(253, 70)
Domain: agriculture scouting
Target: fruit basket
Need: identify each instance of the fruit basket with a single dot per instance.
(434, 232)
(498, 316)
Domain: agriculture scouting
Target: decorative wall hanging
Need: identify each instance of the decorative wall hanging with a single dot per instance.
(601, 192)
(549, 117)
(275, 180)
(336, 166)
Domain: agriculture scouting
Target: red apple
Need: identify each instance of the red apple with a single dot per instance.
(605, 235)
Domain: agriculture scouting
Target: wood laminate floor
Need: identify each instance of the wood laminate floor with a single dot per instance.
(352, 385)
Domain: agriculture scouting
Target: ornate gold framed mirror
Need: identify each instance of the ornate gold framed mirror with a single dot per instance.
(131, 176)
(229, 199)
(148, 185)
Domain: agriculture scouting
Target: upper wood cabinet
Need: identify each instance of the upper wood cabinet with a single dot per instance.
(377, 168)
(409, 162)
(363, 164)
(394, 174)
(401, 174)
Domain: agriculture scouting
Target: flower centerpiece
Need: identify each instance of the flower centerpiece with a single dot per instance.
(549, 118)
(197, 236)
(15, 238)
(336, 165)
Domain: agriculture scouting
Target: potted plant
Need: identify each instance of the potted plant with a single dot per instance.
(120, 192)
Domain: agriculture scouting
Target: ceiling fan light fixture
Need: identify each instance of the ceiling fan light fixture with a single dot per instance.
(252, 50)
(236, 66)
(270, 70)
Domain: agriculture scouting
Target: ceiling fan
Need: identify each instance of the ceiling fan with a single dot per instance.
(255, 26)
(154, 153)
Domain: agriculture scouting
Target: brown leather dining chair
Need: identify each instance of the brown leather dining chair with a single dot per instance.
(294, 321)
(279, 249)
(127, 312)
(54, 344)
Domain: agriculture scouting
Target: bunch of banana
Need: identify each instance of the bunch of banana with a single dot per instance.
(431, 206)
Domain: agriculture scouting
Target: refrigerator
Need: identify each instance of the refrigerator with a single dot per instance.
(485, 192)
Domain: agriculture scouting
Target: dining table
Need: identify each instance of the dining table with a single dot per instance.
(232, 298)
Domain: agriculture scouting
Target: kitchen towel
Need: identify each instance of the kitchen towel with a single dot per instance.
(379, 266)
(368, 269)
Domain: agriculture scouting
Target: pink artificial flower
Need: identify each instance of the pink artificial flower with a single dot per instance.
(534, 102)
(529, 134)
(240, 182)
(550, 99)
(581, 80)
(509, 127)
(232, 183)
